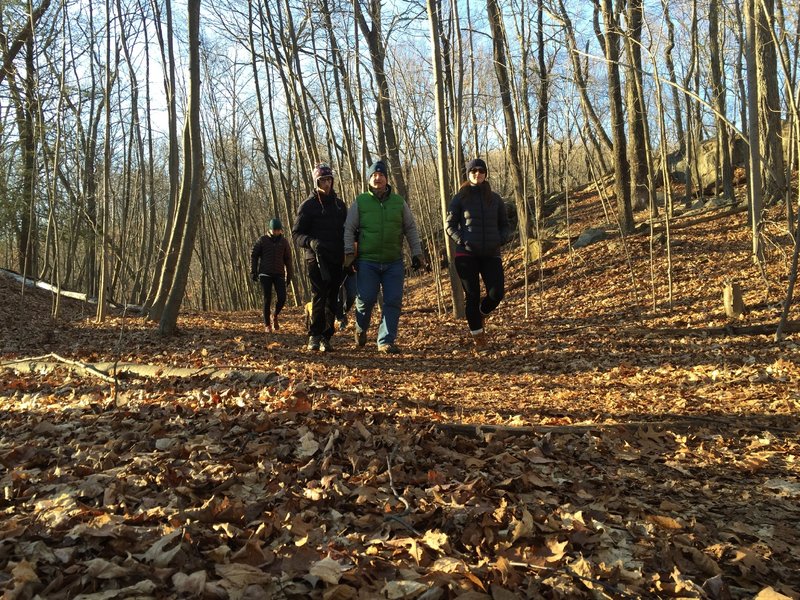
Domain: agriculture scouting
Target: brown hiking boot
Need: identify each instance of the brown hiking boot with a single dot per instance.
(481, 342)
(275, 325)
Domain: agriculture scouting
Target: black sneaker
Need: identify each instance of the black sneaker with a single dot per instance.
(325, 345)
(361, 337)
(313, 342)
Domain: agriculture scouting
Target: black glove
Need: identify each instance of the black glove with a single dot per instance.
(254, 276)
(416, 263)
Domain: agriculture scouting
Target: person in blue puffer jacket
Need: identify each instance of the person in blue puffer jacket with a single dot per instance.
(477, 222)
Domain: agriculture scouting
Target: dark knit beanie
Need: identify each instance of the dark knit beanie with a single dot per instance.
(476, 163)
(377, 167)
(275, 224)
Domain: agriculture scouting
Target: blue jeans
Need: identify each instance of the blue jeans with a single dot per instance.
(372, 277)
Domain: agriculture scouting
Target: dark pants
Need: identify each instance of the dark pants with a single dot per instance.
(325, 284)
(347, 296)
(471, 269)
(268, 282)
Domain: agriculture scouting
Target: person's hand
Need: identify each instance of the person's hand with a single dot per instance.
(348, 260)
(417, 262)
(351, 270)
(314, 245)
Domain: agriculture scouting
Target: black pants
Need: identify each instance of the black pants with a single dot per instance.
(325, 284)
(347, 296)
(268, 282)
(471, 269)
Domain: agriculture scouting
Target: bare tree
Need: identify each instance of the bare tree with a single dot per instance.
(192, 183)
(622, 179)
(512, 138)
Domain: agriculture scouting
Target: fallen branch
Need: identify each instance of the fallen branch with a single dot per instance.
(31, 365)
(683, 425)
(108, 370)
(769, 329)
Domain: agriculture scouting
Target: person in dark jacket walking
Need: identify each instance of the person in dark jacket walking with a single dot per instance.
(271, 265)
(477, 222)
(319, 231)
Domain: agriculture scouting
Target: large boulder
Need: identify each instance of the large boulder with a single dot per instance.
(706, 162)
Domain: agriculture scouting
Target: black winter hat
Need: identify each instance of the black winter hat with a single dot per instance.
(476, 163)
(275, 224)
(378, 167)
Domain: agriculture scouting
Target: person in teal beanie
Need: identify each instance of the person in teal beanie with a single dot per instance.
(271, 266)
(376, 223)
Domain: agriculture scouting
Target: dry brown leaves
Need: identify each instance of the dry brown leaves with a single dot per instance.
(628, 465)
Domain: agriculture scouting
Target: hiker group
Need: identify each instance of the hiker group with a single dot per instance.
(354, 254)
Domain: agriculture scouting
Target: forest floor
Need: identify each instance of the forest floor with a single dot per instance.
(610, 446)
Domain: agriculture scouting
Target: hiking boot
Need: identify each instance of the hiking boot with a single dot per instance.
(267, 328)
(361, 337)
(388, 349)
(325, 345)
(313, 342)
(275, 325)
(480, 342)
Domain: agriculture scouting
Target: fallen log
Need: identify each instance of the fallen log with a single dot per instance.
(110, 371)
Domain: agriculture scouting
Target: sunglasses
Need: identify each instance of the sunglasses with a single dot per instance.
(478, 170)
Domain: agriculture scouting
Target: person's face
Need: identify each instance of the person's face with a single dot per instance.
(275, 232)
(324, 184)
(377, 180)
(477, 176)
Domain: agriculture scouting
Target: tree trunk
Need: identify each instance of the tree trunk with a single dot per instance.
(192, 184)
(753, 120)
(622, 177)
(773, 176)
(512, 139)
(640, 168)
(719, 101)
(377, 53)
(445, 188)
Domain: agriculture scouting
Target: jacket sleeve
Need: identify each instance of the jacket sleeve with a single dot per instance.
(351, 225)
(287, 259)
(302, 227)
(255, 254)
(502, 222)
(454, 220)
(410, 231)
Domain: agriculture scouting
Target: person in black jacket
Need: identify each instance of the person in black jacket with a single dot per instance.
(477, 222)
(319, 230)
(271, 265)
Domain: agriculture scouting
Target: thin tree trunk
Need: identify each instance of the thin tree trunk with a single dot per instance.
(192, 183)
(512, 140)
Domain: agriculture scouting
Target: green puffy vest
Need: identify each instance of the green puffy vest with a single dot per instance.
(380, 236)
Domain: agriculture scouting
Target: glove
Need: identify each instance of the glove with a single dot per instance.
(416, 262)
(348, 260)
(254, 276)
(351, 270)
(314, 245)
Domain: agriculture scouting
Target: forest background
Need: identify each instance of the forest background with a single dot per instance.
(130, 130)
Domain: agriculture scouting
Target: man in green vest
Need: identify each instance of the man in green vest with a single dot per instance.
(377, 222)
